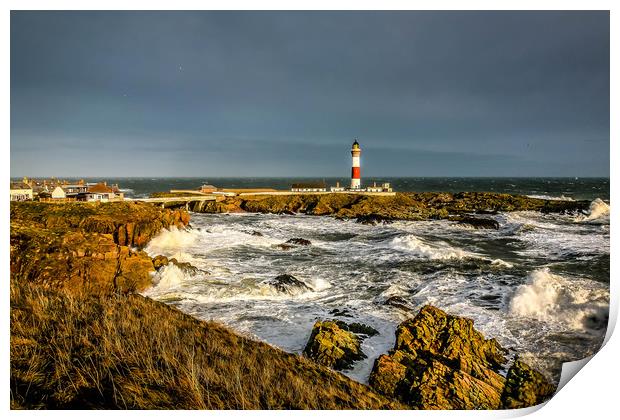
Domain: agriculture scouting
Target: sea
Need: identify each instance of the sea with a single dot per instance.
(572, 188)
(539, 284)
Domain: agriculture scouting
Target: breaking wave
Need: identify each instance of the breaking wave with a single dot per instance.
(172, 239)
(555, 299)
(551, 197)
(598, 210)
(438, 251)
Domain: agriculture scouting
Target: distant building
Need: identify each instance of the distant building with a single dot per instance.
(101, 192)
(59, 193)
(309, 187)
(337, 188)
(20, 191)
(75, 189)
(385, 187)
(208, 189)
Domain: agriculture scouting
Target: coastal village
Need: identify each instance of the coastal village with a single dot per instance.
(56, 190)
(53, 189)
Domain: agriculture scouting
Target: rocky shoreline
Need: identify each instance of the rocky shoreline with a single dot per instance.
(85, 261)
(464, 207)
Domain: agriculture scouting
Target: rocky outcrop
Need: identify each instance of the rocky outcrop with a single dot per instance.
(292, 243)
(373, 219)
(441, 361)
(285, 283)
(91, 247)
(332, 344)
(525, 387)
(477, 222)
(160, 261)
(299, 241)
(401, 206)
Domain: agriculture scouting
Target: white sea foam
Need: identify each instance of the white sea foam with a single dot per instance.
(171, 240)
(502, 263)
(166, 279)
(422, 249)
(598, 210)
(552, 298)
(551, 197)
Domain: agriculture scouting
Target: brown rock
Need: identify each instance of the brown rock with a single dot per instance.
(525, 387)
(333, 346)
(440, 361)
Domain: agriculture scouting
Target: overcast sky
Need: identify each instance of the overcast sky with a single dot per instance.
(285, 93)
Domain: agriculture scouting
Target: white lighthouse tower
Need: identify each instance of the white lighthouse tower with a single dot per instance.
(355, 167)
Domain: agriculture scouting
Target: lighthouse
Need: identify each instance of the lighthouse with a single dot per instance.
(355, 167)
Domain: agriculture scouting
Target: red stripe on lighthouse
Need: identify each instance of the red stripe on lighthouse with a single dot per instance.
(355, 172)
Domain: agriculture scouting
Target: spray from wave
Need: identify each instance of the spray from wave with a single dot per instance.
(554, 299)
(598, 210)
(419, 248)
(171, 240)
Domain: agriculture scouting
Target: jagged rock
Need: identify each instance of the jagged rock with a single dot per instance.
(401, 206)
(478, 222)
(373, 219)
(333, 346)
(340, 312)
(285, 283)
(87, 246)
(256, 233)
(298, 241)
(525, 387)
(440, 361)
(398, 302)
(187, 267)
(359, 329)
(160, 261)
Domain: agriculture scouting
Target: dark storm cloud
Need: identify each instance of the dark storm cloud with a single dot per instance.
(282, 93)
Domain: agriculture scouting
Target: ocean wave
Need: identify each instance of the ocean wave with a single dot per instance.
(554, 299)
(171, 240)
(436, 251)
(166, 279)
(551, 197)
(598, 210)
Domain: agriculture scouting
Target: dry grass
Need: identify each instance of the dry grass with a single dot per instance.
(85, 351)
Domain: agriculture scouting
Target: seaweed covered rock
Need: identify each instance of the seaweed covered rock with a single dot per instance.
(441, 361)
(525, 387)
(333, 346)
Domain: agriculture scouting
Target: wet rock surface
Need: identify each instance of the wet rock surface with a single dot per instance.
(285, 283)
(373, 219)
(332, 344)
(477, 222)
(441, 361)
(525, 387)
(299, 241)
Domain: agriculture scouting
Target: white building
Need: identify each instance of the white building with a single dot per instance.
(20, 191)
(385, 187)
(101, 192)
(59, 193)
(337, 188)
(309, 187)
